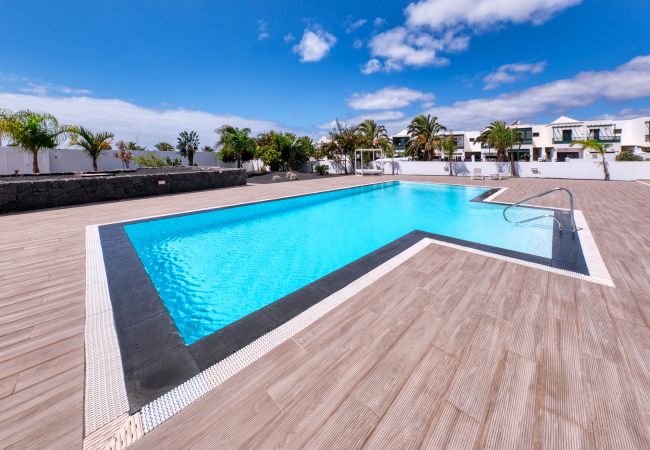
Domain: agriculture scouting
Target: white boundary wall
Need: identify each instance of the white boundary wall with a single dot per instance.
(576, 169)
(75, 160)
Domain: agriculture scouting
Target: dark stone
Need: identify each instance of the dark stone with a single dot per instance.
(35, 192)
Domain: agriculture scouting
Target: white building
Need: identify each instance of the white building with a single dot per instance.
(556, 141)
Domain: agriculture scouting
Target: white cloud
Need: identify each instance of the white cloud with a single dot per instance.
(387, 98)
(129, 121)
(351, 26)
(379, 21)
(478, 14)
(288, 38)
(262, 30)
(381, 117)
(400, 46)
(628, 81)
(45, 88)
(314, 45)
(372, 66)
(443, 26)
(510, 73)
(357, 44)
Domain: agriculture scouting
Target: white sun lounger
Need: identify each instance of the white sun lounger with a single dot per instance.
(477, 174)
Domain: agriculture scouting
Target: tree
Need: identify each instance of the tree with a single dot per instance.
(599, 147)
(342, 143)
(164, 147)
(188, 144)
(125, 153)
(497, 135)
(207, 148)
(371, 134)
(92, 143)
(448, 147)
(236, 144)
(424, 137)
(33, 132)
(5, 116)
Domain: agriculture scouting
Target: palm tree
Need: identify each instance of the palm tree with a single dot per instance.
(448, 147)
(125, 153)
(599, 147)
(92, 143)
(33, 132)
(424, 136)
(236, 144)
(370, 133)
(164, 147)
(497, 135)
(188, 144)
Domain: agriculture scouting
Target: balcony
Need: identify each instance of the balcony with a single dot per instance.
(608, 139)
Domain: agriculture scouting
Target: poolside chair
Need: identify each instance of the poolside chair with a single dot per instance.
(477, 174)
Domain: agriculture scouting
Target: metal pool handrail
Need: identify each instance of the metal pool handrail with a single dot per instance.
(573, 222)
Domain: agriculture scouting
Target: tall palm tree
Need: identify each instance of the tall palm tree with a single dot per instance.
(33, 132)
(371, 133)
(424, 136)
(92, 143)
(503, 139)
(188, 144)
(448, 147)
(236, 144)
(599, 147)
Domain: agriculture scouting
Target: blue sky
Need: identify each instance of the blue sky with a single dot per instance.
(146, 70)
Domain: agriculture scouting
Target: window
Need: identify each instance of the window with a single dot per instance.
(594, 133)
(566, 135)
(618, 131)
(535, 134)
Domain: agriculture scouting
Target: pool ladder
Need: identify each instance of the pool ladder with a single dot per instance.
(573, 221)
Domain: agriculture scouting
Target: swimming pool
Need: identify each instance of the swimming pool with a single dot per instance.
(213, 268)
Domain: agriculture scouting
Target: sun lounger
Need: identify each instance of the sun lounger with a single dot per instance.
(477, 174)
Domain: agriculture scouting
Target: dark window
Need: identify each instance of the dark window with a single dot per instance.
(566, 135)
(595, 133)
(535, 134)
(618, 131)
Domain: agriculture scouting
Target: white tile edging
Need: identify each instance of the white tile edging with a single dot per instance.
(104, 391)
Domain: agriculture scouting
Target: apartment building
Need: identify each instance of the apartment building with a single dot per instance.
(555, 141)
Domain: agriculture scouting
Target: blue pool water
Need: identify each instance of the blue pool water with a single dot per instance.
(213, 268)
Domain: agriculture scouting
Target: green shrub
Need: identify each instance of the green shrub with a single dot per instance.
(321, 169)
(149, 160)
(628, 156)
(271, 157)
(172, 162)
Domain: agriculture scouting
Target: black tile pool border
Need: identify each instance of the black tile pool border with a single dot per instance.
(154, 357)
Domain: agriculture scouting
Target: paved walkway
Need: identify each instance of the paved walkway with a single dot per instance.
(451, 349)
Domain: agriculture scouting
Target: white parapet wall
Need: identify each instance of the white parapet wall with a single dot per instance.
(75, 160)
(576, 169)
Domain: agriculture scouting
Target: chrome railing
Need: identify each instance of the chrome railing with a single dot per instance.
(519, 203)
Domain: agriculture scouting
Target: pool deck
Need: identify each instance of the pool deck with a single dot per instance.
(452, 349)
